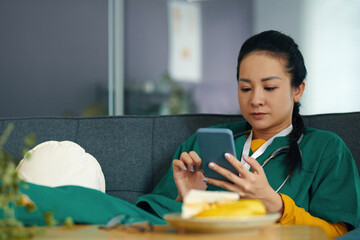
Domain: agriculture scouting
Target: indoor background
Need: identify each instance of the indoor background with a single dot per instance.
(114, 57)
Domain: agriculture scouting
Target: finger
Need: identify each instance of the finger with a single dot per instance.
(223, 184)
(197, 160)
(178, 164)
(256, 167)
(239, 167)
(189, 162)
(224, 172)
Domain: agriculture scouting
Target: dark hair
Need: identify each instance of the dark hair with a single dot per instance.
(283, 46)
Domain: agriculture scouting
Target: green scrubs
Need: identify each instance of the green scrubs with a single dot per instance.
(327, 185)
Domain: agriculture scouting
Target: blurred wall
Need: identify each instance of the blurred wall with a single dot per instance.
(226, 24)
(53, 56)
(54, 53)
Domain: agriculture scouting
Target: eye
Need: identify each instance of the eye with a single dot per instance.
(270, 88)
(245, 89)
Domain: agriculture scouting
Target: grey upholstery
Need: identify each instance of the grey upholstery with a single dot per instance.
(135, 151)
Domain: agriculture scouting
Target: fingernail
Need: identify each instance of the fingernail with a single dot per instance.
(185, 168)
(205, 180)
(211, 165)
(191, 168)
(227, 155)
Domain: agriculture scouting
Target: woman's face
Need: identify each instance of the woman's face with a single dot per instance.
(266, 97)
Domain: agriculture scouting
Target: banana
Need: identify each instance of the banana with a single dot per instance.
(241, 208)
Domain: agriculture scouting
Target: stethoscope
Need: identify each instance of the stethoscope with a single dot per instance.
(277, 152)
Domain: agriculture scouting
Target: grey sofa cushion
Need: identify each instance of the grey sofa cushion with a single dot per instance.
(46, 128)
(123, 147)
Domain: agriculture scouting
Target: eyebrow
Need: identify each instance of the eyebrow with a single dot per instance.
(263, 80)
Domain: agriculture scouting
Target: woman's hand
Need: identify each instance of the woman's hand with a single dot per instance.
(188, 174)
(248, 184)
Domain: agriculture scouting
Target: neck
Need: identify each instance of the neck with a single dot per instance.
(265, 134)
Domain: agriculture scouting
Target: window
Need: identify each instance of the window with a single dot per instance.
(331, 37)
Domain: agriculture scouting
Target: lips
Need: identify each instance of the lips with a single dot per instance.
(258, 115)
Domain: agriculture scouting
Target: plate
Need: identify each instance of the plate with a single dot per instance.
(220, 224)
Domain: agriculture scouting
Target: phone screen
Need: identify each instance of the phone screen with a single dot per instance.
(213, 144)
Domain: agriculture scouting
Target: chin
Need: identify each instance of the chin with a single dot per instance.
(258, 125)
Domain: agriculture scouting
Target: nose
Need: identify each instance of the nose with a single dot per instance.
(257, 98)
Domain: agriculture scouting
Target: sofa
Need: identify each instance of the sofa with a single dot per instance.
(142, 147)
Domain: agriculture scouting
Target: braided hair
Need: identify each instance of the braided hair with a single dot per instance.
(283, 46)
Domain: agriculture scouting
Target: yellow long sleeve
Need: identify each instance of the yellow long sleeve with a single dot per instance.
(295, 215)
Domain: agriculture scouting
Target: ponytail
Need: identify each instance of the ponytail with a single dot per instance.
(293, 156)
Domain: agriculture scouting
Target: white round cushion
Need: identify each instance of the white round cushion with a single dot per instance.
(54, 163)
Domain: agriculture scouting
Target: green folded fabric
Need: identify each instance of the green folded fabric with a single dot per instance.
(158, 205)
(83, 205)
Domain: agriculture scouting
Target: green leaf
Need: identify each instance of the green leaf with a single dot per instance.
(27, 155)
(30, 140)
(25, 151)
(30, 208)
(6, 134)
(49, 219)
(10, 195)
(69, 222)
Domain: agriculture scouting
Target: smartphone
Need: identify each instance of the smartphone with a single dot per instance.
(213, 144)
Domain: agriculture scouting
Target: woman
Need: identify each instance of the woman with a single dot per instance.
(314, 183)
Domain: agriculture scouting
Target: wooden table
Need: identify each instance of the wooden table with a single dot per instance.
(272, 232)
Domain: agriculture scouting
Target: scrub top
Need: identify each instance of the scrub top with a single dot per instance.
(326, 185)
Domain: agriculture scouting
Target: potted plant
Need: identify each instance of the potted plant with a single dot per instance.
(10, 194)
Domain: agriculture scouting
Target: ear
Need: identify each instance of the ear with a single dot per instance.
(298, 92)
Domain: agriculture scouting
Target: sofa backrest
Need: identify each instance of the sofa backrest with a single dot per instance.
(135, 151)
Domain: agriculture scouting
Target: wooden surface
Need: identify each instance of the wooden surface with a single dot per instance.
(272, 232)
